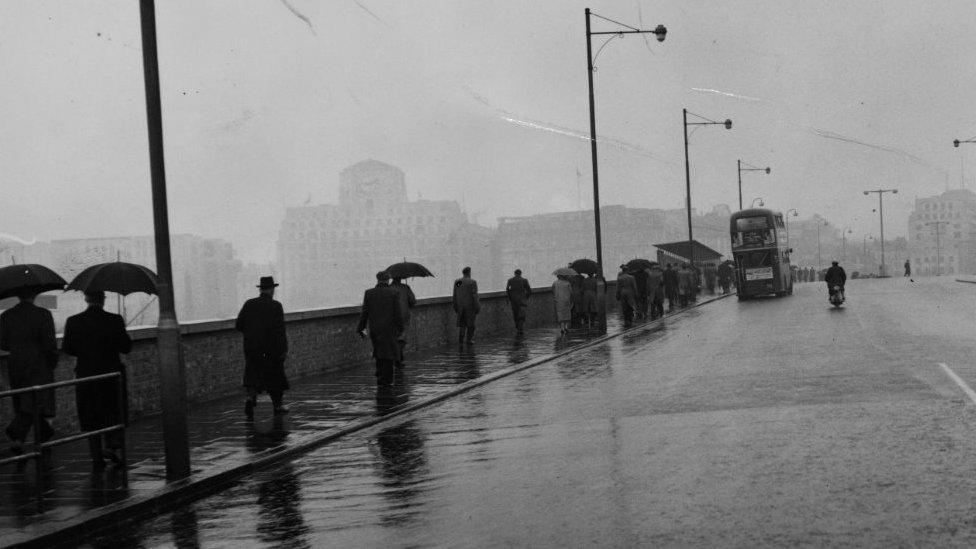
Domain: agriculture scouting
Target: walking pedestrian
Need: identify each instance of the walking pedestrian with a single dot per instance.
(710, 276)
(518, 291)
(576, 296)
(671, 286)
(686, 284)
(655, 290)
(466, 305)
(908, 268)
(262, 323)
(407, 302)
(96, 337)
(382, 315)
(590, 299)
(640, 280)
(562, 296)
(27, 333)
(626, 295)
(725, 276)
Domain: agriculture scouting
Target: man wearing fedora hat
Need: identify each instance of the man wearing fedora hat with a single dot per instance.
(262, 321)
(381, 312)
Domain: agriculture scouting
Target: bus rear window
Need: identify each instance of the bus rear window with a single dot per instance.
(750, 223)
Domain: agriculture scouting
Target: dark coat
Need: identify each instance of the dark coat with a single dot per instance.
(27, 333)
(381, 312)
(590, 295)
(655, 285)
(465, 300)
(626, 289)
(671, 281)
(96, 338)
(835, 276)
(262, 321)
(518, 291)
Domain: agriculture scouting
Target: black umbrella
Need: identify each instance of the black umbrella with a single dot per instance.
(638, 265)
(585, 266)
(29, 276)
(118, 276)
(407, 269)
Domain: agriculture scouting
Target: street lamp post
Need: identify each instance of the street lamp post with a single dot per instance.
(660, 31)
(843, 236)
(172, 374)
(706, 122)
(795, 214)
(938, 245)
(880, 193)
(750, 168)
(819, 259)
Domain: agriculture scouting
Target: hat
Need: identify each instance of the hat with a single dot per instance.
(518, 271)
(267, 282)
(382, 276)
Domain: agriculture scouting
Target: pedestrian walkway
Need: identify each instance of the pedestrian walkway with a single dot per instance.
(224, 446)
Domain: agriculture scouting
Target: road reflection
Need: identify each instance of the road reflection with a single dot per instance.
(280, 520)
(403, 470)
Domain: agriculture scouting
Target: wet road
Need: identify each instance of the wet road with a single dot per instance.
(770, 422)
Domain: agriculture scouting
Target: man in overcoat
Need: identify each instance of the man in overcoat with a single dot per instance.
(518, 291)
(626, 294)
(27, 333)
(686, 284)
(466, 305)
(407, 301)
(655, 290)
(96, 337)
(671, 286)
(262, 321)
(381, 313)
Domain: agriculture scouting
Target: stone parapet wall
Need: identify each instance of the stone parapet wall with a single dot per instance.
(320, 341)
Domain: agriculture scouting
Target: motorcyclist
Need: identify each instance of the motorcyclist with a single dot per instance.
(835, 276)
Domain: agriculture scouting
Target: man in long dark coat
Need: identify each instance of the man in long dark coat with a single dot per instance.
(671, 286)
(27, 333)
(518, 291)
(655, 290)
(466, 305)
(626, 294)
(262, 321)
(96, 337)
(725, 276)
(407, 302)
(640, 281)
(382, 314)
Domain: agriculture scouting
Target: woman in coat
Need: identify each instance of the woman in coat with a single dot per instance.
(562, 297)
(589, 311)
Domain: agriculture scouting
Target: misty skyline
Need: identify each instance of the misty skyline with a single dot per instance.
(485, 104)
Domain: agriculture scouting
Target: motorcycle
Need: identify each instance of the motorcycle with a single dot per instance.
(837, 297)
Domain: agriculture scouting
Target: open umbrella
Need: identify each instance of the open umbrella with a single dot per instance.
(638, 265)
(407, 269)
(585, 266)
(564, 271)
(118, 276)
(29, 276)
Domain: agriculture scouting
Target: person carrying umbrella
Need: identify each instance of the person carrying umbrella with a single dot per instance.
(466, 305)
(518, 291)
(96, 337)
(381, 313)
(407, 302)
(562, 298)
(262, 322)
(627, 295)
(655, 290)
(27, 333)
(591, 286)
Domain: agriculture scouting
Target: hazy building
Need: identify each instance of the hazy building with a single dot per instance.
(205, 274)
(328, 254)
(953, 214)
(539, 244)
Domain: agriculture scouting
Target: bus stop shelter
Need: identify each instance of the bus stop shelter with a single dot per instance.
(692, 252)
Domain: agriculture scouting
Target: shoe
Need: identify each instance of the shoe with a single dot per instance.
(280, 410)
(249, 409)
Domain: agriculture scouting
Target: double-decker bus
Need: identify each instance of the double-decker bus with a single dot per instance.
(761, 253)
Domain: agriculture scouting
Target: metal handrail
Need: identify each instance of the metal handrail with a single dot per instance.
(37, 452)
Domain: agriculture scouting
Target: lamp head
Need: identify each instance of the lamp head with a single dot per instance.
(660, 32)
(865, 193)
(767, 170)
(894, 191)
(728, 124)
(955, 142)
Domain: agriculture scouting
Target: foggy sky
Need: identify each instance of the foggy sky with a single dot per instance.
(265, 101)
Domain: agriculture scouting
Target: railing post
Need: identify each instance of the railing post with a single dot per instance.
(39, 458)
(121, 399)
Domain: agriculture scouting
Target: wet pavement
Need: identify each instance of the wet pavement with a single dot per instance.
(773, 422)
(221, 438)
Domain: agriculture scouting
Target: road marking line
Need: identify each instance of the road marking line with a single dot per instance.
(962, 384)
